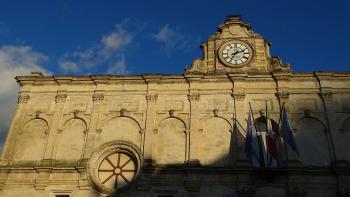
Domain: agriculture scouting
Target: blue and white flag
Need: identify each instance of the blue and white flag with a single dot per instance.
(286, 132)
(252, 146)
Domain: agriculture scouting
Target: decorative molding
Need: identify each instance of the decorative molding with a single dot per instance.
(155, 131)
(152, 97)
(283, 95)
(193, 96)
(276, 65)
(238, 94)
(187, 131)
(60, 98)
(24, 98)
(98, 97)
(37, 114)
(75, 113)
(326, 95)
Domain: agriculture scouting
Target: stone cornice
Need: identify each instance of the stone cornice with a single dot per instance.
(170, 78)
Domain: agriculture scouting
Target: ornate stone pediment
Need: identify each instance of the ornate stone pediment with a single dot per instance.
(236, 48)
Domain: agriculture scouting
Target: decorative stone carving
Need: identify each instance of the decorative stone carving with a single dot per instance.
(60, 98)
(122, 112)
(97, 97)
(326, 95)
(171, 112)
(238, 95)
(199, 65)
(216, 112)
(277, 65)
(37, 114)
(102, 156)
(193, 96)
(152, 97)
(282, 95)
(76, 113)
(23, 98)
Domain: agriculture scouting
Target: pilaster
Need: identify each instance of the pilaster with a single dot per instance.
(60, 100)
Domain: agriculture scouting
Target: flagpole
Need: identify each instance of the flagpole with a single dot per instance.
(259, 141)
(284, 143)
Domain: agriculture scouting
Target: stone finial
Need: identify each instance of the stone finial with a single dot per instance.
(277, 65)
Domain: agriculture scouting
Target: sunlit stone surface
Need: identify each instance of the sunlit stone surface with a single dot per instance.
(180, 134)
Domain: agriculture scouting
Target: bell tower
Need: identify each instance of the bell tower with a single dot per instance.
(236, 48)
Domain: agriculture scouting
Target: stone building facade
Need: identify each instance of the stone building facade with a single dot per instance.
(180, 134)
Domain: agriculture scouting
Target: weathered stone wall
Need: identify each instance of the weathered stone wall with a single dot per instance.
(175, 120)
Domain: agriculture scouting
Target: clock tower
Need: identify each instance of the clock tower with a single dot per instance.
(236, 48)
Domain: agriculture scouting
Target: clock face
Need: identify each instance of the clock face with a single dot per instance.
(235, 53)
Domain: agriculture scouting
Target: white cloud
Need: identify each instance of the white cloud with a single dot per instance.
(14, 61)
(109, 53)
(172, 38)
(117, 39)
(119, 67)
(166, 35)
(69, 67)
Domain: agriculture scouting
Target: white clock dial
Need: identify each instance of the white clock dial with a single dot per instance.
(235, 53)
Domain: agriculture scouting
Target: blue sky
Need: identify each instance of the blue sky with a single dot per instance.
(157, 36)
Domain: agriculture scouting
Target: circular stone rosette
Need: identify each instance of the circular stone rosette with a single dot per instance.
(114, 166)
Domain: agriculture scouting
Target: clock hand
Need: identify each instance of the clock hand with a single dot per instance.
(235, 53)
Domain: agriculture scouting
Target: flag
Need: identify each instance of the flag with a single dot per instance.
(252, 146)
(270, 142)
(286, 132)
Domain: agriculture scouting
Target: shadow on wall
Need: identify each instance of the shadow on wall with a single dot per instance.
(322, 142)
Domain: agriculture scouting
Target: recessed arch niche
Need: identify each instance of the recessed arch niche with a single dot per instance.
(32, 141)
(71, 140)
(217, 142)
(171, 142)
(121, 128)
(312, 142)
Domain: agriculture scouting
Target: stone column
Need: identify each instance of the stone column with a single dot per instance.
(150, 133)
(240, 115)
(329, 109)
(60, 99)
(151, 98)
(97, 99)
(286, 155)
(193, 138)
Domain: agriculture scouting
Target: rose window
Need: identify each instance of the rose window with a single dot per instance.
(115, 166)
(117, 170)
